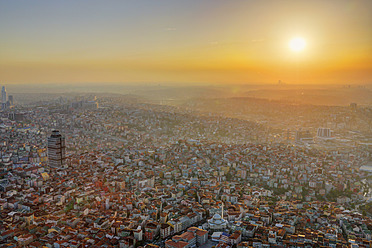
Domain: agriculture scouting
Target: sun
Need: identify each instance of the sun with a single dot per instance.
(297, 44)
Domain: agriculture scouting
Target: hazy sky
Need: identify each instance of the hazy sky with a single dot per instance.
(217, 41)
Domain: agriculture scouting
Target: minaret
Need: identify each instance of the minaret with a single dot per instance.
(222, 211)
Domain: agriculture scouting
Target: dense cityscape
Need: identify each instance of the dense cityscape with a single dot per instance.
(186, 124)
(91, 171)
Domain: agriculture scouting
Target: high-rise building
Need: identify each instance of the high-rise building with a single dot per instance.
(3, 98)
(10, 99)
(56, 149)
(324, 132)
(3, 95)
(353, 106)
(303, 136)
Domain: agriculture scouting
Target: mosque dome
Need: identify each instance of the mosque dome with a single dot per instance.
(216, 222)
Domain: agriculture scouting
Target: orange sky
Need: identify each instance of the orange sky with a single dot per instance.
(185, 41)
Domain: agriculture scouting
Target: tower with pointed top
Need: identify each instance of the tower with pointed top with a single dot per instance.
(222, 211)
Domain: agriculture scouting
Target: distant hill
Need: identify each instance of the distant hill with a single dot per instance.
(330, 96)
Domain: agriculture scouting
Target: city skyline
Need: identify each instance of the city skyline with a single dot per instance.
(186, 124)
(185, 42)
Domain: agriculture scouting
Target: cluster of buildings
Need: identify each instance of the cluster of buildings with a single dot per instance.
(141, 176)
(326, 127)
(85, 104)
(141, 125)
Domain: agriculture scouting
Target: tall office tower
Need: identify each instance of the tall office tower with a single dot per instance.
(56, 149)
(3, 98)
(303, 136)
(10, 99)
(324, 132)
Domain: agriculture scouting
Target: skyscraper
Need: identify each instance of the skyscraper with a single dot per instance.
(56, 149)
(324, 132)
(3, 98)
(10, 99)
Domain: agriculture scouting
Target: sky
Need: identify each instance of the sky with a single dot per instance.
(173, 41)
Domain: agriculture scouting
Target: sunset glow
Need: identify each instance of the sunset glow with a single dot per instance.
(297, 44)
(208, 41)
(186, 123)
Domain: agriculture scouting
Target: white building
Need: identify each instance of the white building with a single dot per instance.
(217, 223)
